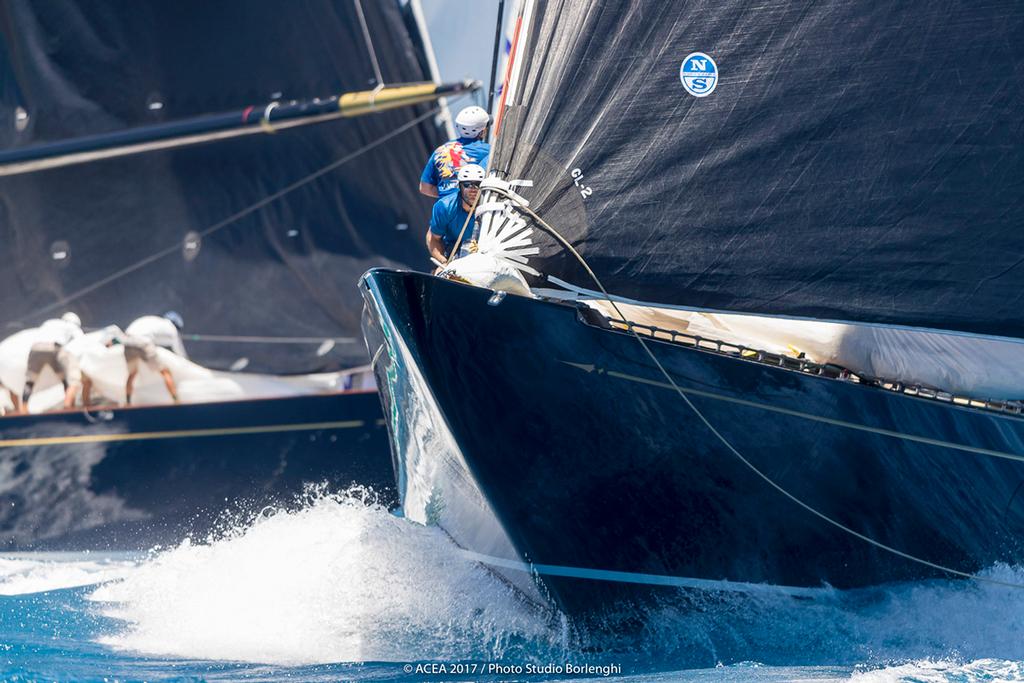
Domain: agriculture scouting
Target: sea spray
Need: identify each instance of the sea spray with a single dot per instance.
(938, 671)
(25, 573)
(949, 620)
(338, 580)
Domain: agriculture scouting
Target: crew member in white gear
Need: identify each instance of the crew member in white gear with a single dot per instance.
(48, 351)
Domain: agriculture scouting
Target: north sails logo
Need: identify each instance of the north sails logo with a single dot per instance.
(699, 74)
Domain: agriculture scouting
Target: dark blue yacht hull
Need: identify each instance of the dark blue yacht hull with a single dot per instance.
(552, 449)
(129, 478)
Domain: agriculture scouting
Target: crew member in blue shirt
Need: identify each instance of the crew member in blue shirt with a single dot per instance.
(450, 217)
(439, 175)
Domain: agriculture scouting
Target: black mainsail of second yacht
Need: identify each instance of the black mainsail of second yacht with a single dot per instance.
(256, 240)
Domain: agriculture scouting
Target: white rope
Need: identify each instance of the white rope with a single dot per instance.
(732, 449)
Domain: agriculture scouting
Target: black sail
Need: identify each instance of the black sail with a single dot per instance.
(117, 238)
(855, 161)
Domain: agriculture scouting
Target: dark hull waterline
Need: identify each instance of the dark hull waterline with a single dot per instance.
(129, 478)
(596, 474)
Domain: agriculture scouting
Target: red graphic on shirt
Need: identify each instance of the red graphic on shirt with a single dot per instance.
(449, 158)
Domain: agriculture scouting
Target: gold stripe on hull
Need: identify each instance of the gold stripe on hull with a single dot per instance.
(178, 434)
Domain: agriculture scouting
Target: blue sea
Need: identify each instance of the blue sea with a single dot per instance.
(343, 590)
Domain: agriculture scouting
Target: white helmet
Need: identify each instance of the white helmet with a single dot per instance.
(471, 173)
(70, 317)
(175, 319)
(111, 333)
(471, 121)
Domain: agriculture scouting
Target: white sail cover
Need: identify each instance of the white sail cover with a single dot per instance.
(106, 367)
(972, 366)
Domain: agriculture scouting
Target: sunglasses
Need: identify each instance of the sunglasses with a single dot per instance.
(470, 184)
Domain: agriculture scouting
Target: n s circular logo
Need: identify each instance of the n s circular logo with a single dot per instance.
(699, 74)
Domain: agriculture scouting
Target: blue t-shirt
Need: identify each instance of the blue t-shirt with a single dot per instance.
(442, 167)
(447, 219)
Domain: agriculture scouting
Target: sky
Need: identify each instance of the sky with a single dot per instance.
(462, 32)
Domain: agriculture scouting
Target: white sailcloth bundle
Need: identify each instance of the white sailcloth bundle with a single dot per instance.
(503, 246)
(105, 366)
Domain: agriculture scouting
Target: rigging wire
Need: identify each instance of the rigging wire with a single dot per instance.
(732, 449)
(255, 339)
(369, 44)
(497, 51)
(305, 180)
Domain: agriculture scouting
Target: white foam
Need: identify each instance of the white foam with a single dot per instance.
(959, 621)
(975, 620)
(39, 572)
(341, 580)
(943, 671)
(337, 581)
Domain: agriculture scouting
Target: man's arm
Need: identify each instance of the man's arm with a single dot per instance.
(428, 179)
(435, 245)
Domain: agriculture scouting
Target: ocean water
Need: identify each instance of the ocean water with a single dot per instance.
(341, 589)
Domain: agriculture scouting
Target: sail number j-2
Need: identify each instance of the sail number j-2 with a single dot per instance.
(577, 180)
(699, 74)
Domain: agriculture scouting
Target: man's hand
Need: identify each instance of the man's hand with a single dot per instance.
(435, 245)
(428, 189)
